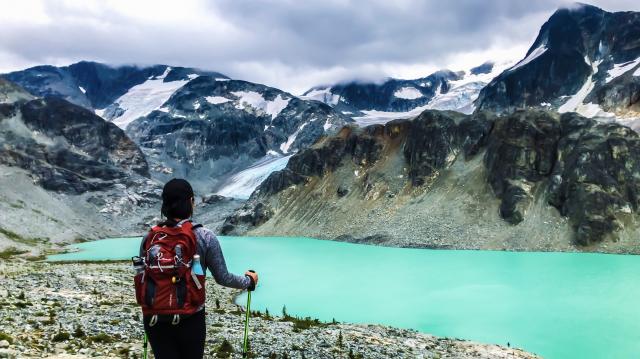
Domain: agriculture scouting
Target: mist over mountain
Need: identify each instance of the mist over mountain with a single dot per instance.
(584, 59)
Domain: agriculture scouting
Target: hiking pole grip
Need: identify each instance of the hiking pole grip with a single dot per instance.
(252, 286)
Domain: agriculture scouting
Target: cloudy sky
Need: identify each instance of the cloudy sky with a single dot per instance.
(290, 44)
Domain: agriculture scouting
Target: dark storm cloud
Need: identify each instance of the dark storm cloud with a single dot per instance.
(289, 44)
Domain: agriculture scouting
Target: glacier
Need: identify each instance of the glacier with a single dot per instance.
(243, 183)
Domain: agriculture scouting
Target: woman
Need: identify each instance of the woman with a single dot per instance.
(185, 337)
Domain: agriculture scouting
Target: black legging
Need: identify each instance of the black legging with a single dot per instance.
(184, 340)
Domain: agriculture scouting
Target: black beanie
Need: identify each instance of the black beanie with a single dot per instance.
(176, 199)
(176, 190)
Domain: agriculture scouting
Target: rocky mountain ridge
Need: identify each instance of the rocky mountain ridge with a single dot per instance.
(62, 162)
(94, 85)
(210, 129)
(191, 122)
(378, 102)
(584, 59)
(556, 181)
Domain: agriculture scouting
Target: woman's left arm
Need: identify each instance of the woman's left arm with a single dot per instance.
(217, 265)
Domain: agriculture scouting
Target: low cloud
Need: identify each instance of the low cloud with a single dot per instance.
(288, 44)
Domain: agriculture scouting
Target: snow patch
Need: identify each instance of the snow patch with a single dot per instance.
(323, 95)
(408, 93)
(82, 89)
(196, 105)
(620, 69)
(592, 110)
(576, 100)
(326, 125)
(284, 147)
(216, 100)
(276, 106)
(373, 117)
(532, 56)
(142, 99)
(255, 100)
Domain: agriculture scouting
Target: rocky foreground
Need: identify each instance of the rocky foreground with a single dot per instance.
(88, 310)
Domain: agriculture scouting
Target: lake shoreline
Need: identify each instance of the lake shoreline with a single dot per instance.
(64, 250)
(63, 311)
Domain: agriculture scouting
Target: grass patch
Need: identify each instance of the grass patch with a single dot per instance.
(18, 238)
(78, 332)
(38, 258)
(7, 337)
(101, 338)
(10, 234)
(22, 305)
(225, 350)
(302, 323)
(61, 337)
(10, 252)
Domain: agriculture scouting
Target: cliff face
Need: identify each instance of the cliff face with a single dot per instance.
(69, 173)
(584, 59)
(66, 147)
(528, 180)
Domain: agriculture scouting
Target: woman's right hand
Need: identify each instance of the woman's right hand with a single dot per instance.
(253, 276)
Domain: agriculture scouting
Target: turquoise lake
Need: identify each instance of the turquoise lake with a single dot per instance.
(558, 305)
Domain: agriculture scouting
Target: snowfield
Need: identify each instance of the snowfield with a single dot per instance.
(408, 93)
(323, 95)
(532, 56)
(216, 100)
(256, 101)
(574, 102)
(621, 69)
(284, 147)
(460, 97)
(142, 99)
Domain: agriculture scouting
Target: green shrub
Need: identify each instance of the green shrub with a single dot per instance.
(5, 336)
(78, 332)
(101, 338)
(10, 252)
(61, 336)
(9, 234)
(225, 350)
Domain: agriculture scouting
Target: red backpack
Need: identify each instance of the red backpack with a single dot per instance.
(165, 283)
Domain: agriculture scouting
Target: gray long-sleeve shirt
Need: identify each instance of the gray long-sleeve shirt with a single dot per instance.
(211, 258)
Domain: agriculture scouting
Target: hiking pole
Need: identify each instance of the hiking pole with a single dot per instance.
(245, 345)
(145, 343)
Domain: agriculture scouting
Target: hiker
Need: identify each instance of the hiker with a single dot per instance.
(170, 277)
